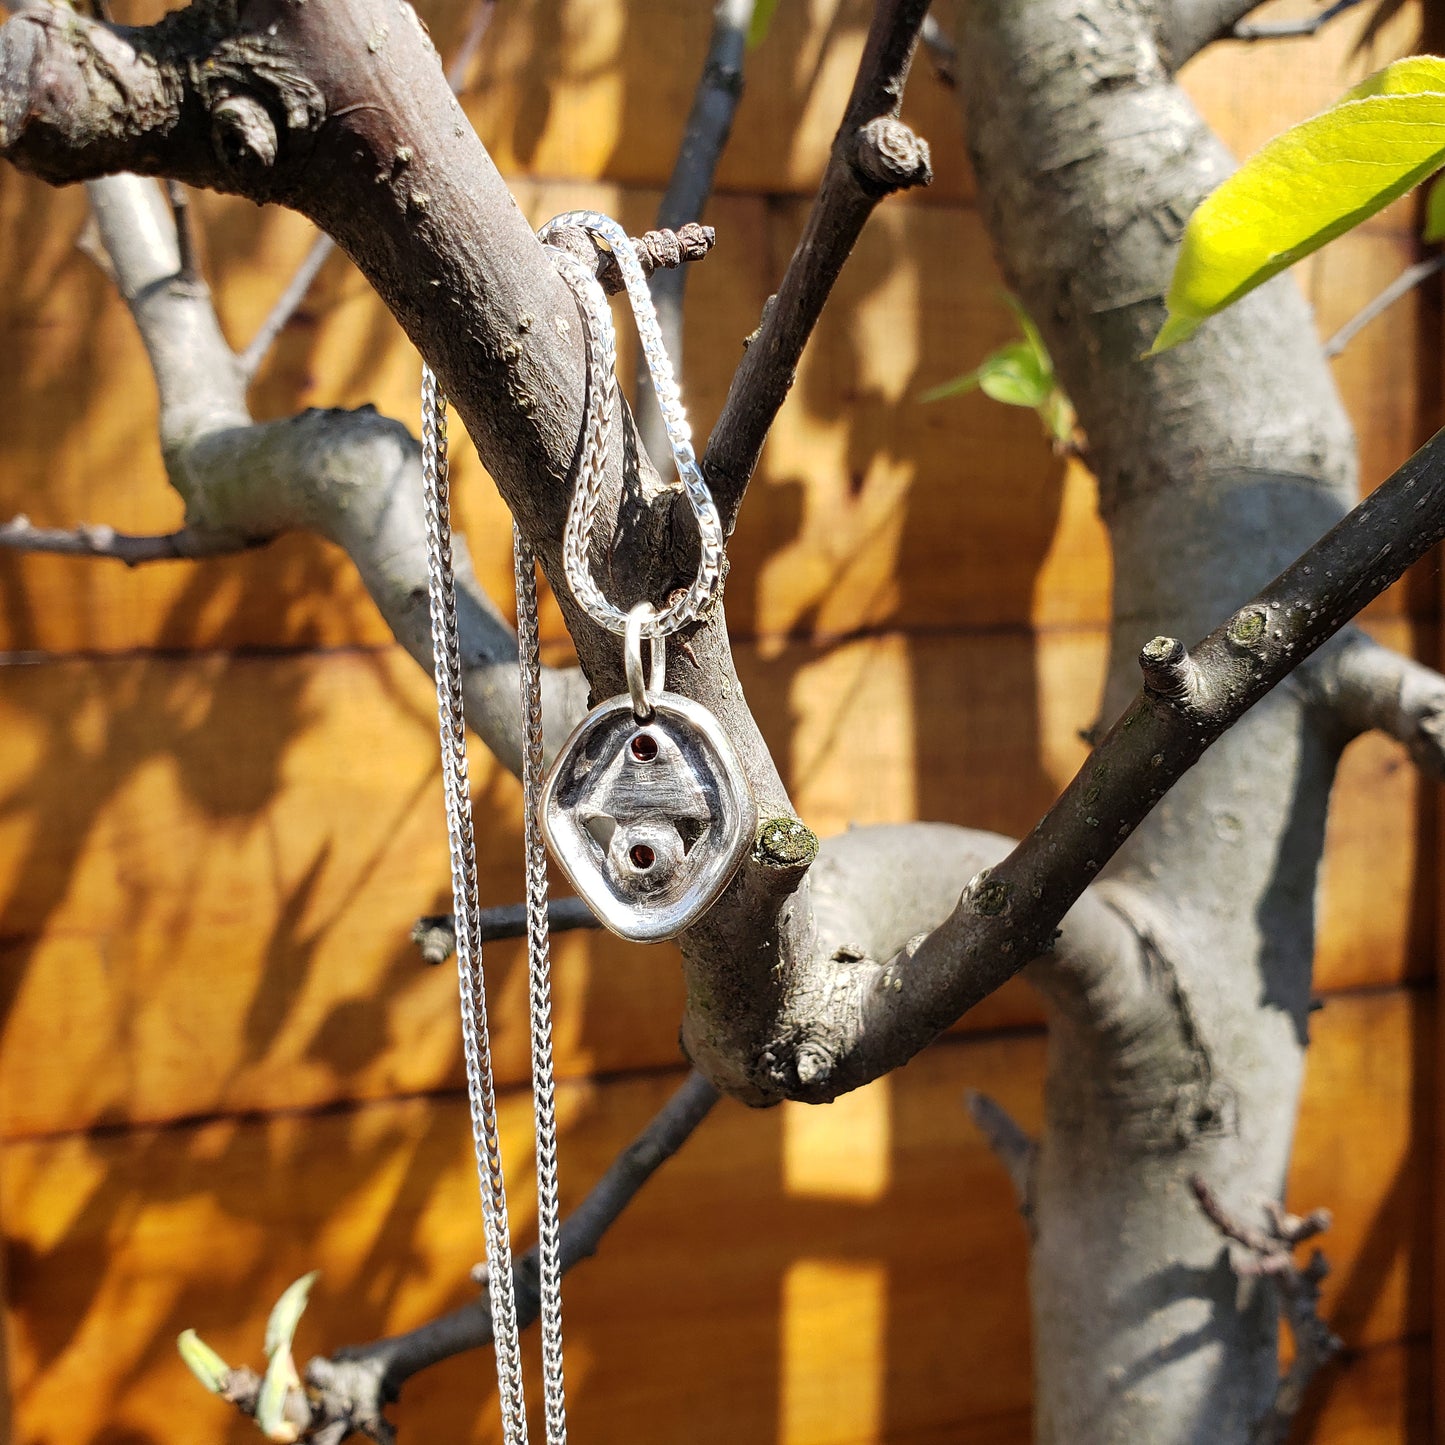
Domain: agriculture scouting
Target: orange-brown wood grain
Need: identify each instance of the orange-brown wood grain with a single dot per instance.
(846, 1274)
(212, 864)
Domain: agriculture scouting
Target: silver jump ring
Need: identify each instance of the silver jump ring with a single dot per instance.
(642, 690)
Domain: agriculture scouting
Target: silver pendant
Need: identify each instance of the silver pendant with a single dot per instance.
(646, 808)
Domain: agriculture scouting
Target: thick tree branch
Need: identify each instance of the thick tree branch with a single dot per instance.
(352, 1387)
(1007, 914)
(1370, 688)
(1185, 27)
(709, 123)
(351, 477)
(874, 154)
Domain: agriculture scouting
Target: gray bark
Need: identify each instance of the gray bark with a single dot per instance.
(1216, 464)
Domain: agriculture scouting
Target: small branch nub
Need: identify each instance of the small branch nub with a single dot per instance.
(891, 156)
(1169, 671)
(243, 134)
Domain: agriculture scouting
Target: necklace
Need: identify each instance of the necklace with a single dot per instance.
(646, 808)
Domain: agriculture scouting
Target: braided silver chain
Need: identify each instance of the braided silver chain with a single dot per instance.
(476, 1042)
(699, 598)
(539, 972)
(696, 602)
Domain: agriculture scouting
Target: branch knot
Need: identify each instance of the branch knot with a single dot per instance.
(890, 155)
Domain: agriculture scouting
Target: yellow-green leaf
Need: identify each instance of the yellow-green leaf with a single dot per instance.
(286, 1313)
(761, 22)
(1306, 187)
(204, 1363)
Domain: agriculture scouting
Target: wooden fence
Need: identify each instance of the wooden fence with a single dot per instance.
(222, 1063)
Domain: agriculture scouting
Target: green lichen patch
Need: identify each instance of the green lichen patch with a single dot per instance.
(785, 843)
(1248, 628)
(989, 898)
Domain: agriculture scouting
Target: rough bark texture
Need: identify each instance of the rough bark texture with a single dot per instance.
(1216, 464)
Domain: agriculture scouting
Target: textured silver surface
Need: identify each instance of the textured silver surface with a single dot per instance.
(699, 598)
(539, 997)
(649, 820)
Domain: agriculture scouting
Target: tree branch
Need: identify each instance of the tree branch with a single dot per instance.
(873, 155)
(1269, 1254)
(1185, 27)
(1016, 1150)
(709, 123)
(352, 1387)
(1370, 688)
(20, 535)
(1402, 285)
(435, 934)
(1294, 29)
(1008, 914)
(287, 303)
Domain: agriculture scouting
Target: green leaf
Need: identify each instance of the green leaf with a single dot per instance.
(1435, 212)
(1016, 375)
(204, 1363)
(287, 1311)
(1306, 187)
(281, 1373)
(271, 1418)
(761, 22)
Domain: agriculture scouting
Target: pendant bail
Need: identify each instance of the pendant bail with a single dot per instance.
(642, 690)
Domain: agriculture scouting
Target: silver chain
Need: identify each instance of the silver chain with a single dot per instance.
(699, 598)
(539, 971)
(476, 1042)
(696, 602)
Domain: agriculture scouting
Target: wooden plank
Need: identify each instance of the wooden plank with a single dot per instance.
(209, 866)
(736, 1296)
(871, 509)
(1379, 1397)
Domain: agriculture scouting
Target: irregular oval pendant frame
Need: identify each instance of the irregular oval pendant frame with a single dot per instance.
(683, 811)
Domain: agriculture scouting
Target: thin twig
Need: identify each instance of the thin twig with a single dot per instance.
(1402, 285)
(873, 155)
(1270, 1255)
(180, 203)
(1016, 1150)
(941, 51)
(19, 535)
(704, 137)
(471, 46)
(287, 304)
(436, 933)
(297, 289)
(351, 1387)
(1292, 29)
